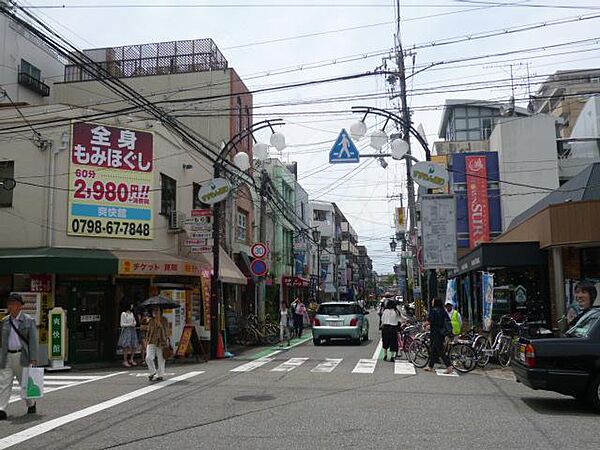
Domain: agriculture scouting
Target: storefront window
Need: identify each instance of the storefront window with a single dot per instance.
(590, 262)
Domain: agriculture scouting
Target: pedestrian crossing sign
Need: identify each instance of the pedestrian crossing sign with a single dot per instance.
(343, 150)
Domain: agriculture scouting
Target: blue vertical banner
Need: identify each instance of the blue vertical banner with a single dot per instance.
(487, 292)
(451, 292)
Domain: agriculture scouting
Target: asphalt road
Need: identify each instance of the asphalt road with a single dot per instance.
(309, 402)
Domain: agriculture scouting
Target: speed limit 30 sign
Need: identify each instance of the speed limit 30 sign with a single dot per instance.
(259, 250)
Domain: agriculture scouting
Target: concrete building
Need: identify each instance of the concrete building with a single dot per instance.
(322, 216)
(346, 256)
(564, 94)
(526, 150)
(28, 67)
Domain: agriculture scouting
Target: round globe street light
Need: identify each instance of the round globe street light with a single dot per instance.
(378, 139)
(242, 161)
(278, 141)
(260, 151)
(358, 130)
(399, 148)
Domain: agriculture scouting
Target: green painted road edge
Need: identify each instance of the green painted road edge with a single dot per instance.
(276, 348)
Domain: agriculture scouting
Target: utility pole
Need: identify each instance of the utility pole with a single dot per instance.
(406, 121)
(262, 235)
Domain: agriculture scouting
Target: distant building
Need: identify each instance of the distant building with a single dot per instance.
(564, 94)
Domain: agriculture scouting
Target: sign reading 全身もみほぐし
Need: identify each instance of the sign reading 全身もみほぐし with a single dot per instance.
(110, 182)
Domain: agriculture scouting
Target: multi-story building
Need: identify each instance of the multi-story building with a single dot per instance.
(28, 67)
(366, 281)
(346, 255)
(322, 216)
(563, 96)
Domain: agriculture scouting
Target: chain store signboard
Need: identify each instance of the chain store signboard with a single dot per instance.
(110, 182)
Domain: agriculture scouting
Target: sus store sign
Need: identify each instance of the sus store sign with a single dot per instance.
(477, 200)
(110, 182)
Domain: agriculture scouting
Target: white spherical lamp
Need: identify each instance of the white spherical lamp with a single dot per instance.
(260, 151)
(399, 148)
(278, 141)
(358, 130)
(378, 139)
(242, 161)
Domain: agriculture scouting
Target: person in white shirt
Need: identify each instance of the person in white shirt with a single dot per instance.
(128, 339)
(284, 330)
(390, 318)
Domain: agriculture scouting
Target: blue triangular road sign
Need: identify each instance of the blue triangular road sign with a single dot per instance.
(343, 150)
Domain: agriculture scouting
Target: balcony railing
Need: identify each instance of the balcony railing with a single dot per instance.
(33, 84)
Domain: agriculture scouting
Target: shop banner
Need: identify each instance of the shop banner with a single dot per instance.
(110, 182)
(487, 292)
(451, 292)
(205, 280)
(477, 200)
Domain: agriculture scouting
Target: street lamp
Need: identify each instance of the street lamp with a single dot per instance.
(242, 162)
(393, 245)
(316, 235)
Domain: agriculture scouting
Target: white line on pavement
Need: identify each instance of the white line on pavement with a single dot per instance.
(377, 350)
(250, 366)
(79, 383)
(327, 366)
(42, 428)
(289, 365)
(365, 366)
(404, 368)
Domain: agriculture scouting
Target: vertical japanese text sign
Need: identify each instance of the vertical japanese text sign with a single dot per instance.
(110, 182)
(477, 200)
(57, 329)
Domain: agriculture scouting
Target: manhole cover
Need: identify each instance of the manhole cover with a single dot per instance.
(254, 398)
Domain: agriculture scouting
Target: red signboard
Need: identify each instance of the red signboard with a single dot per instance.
(477, 200)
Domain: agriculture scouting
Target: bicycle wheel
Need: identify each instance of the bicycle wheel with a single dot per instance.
(482, 346)
(462, 357)
(245, 337)
(418, 353)
(406, 344)
(505, 353)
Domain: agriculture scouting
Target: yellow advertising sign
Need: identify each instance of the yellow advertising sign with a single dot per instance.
(400, 219)
(110, 182)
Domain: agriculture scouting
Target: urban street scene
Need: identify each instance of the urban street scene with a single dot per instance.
(285, 224)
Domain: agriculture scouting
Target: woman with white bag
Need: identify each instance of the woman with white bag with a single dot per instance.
(18, 351)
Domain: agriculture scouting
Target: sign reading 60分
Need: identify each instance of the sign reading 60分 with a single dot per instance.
(110, 182)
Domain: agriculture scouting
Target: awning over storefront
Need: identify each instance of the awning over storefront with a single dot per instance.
(158, 263)
(492, 254)
(228, 271)
(58, 260)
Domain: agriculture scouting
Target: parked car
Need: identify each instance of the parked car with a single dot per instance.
(340, 320)
(569, 365)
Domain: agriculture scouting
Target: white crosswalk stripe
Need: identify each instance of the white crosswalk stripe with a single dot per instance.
(248, 367)
(327, 366)
(365, 366)
(58, 382)
(290, 365)
(404, 368)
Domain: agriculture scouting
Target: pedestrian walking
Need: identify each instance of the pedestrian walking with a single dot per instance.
(18, 349)
(455, 318)
(128, 339)
(390, 318)
(440, 327)
(299, 313)
(284, 330)
(158, 339)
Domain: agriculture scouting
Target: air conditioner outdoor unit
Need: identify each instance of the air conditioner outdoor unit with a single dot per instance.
(176, 221)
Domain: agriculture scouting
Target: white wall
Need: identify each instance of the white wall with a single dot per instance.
(26, 222)
(18, 44)
(527, 155)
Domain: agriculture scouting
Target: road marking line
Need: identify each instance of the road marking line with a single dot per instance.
(442, 373)
(250, 366)
(327, 366)
(404, 368)
(50, 425)
(377, 350)
(365, 366)
(79, 383)
(71, 377)
(147, 374)
(290, 365)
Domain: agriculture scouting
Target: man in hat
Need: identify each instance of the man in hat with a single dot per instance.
(18, 349)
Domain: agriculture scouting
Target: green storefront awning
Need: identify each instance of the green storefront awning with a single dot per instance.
(58, 260)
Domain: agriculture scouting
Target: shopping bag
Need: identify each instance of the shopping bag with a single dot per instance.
(32, 383)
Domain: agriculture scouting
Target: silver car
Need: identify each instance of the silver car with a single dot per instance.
(340, 320)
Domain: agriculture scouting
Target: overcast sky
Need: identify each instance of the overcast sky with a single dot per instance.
(241, 32)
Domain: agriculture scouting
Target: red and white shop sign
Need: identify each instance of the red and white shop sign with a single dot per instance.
(477, 200)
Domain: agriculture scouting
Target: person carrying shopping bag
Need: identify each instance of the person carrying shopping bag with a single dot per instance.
(157, 338)
(18, 350)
